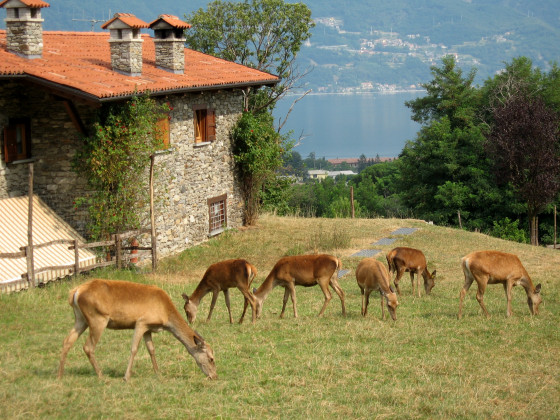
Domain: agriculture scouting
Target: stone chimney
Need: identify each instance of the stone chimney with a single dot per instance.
(126, 43)
(24, 27)
(170, 43)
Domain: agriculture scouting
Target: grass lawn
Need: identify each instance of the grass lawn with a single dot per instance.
(427, 364)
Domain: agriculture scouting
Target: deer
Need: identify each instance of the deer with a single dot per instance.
(403, 259)
(492, 267)
(117, 305)
(371, 275)
(222, 276)
(302, 270)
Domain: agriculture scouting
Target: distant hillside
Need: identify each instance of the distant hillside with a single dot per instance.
(379, 45)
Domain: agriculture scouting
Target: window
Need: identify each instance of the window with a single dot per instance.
(204, 124)
(217, 209)
(162, 126)
(17, 140)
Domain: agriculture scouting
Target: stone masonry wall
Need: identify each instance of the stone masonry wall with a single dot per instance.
(25, 37)
(189, 174)
(170, 54)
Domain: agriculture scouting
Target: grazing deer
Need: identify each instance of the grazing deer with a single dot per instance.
(403, 259)
(491, 267)
(302, 270)
(100, 304)
(373, 275)
(220, 277)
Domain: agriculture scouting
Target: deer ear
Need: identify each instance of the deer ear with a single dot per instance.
(185, 297)
(538, 288)
(254, 290)
(199, 341)
(434, 273)
(391, 288)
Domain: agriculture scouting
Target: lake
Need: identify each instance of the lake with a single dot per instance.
(342, 126)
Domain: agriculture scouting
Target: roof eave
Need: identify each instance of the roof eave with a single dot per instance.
(97, 101)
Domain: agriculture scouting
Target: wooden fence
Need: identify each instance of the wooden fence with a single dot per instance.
(116, 254)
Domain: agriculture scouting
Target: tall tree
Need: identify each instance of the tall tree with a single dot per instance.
(264, 34)
(524, 146)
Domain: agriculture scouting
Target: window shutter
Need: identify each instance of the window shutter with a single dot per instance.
(210, 125)
(10, 143)
(163, 130)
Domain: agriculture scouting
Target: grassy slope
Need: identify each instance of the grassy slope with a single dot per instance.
(426, 364)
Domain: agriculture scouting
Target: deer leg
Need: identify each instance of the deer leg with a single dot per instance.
(400, 272)
(226, 296)
(95, 329)
(285, 300)
(139, 332)
(468, 281)
(212, 304)
(363, 300)
(249, 298)
(417, 283)
(480, 297)
(79, 327)
(508, 286)
(336, 286)
(151, 349)
(325, 288)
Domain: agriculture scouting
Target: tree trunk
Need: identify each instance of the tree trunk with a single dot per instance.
(534, 228)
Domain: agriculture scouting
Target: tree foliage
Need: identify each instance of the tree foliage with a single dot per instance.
(113, 160)
(258, 151)
(263, 34)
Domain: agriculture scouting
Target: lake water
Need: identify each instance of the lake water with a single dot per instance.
(342, 126)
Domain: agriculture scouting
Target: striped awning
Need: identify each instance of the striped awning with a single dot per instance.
(47, 227)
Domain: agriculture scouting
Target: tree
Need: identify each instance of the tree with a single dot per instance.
(524, 146)
(263, 34)
(114, 159)
(257, 151)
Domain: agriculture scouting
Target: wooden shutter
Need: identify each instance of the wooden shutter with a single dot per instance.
(10, 143)
(163, 130)
(210, 125)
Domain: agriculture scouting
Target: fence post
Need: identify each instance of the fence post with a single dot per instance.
(29, 248)
(76, 258)
(352, 200)
(118, 250)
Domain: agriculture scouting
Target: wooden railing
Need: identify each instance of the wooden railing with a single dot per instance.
(114, 246)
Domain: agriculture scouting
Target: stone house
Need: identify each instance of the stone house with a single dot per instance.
(52, 85)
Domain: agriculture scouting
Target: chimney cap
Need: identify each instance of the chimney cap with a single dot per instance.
(172, 21)
(28, 3)
(126, 19)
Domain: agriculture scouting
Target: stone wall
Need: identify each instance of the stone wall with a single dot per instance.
(188, 176)
(191, 174)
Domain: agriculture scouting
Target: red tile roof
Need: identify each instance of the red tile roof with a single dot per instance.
(79, 63)
(128, 19)
(29, 3)
(172, 20)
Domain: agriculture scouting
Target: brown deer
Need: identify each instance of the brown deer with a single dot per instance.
(403, 259)
(373, 275)
(491, 267)
(302, 270)
(118, 305)
(220, 277)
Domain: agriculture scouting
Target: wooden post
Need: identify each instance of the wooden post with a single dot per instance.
(152, 215)
(118, 251)
(29, 249)
(76, 259)
(352, 200)
(459, 216)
